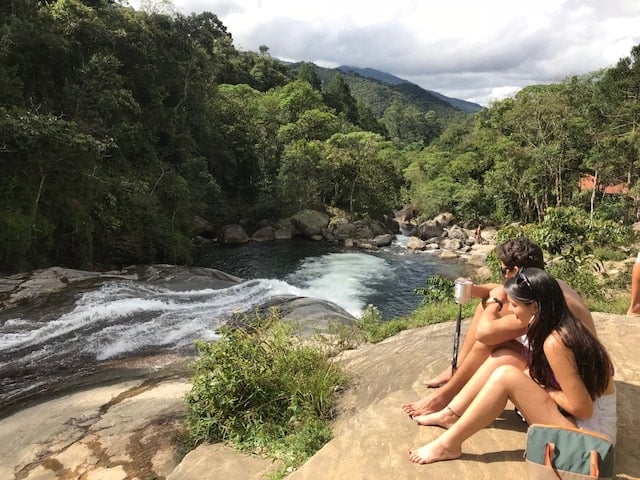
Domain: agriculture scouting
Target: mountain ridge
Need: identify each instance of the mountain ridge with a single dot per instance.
(385, 77)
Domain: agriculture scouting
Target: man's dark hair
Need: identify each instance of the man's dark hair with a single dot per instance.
(520, 252)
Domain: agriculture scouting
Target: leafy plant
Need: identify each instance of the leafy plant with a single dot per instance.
(609, 253)
(261, 390)
(437, 289)
(579, 274)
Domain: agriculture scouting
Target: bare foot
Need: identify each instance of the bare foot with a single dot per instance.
(434, 452)
(439, 380)
(424, 406)
(445, 418)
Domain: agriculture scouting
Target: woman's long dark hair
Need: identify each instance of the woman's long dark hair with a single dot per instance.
(594, 365)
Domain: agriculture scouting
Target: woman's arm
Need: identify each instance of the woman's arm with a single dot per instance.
(573, 395)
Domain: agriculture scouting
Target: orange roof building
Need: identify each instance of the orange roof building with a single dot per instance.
(587, 182)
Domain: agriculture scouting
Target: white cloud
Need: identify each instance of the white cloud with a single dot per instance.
(474, 50)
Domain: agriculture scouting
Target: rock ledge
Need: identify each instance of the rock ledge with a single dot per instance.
(125, 431)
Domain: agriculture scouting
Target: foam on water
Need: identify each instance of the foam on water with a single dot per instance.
(170, 307)
(342, 278)
(123, 316)
(185, 316)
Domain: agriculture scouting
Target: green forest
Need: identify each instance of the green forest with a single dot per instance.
(119, 129)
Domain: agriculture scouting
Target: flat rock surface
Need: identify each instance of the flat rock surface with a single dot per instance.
(127, 430)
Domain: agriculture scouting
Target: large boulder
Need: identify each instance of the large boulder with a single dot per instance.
(406, 214)
(444, 219)
(383, 240)
(415, 243)
(342, 229)
(203, 227)
(378, 228)
(265, 234)
(310, 222)
(372, 435)
(455, 232)
(362, 230)
(309, 315)
(232, 234)
(451, 244)
(285, 229)
(391, 224)
(429, 229)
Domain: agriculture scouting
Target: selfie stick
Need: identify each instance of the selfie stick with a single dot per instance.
(456, 341)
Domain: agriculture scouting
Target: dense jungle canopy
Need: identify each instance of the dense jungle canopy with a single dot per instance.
(119, 128)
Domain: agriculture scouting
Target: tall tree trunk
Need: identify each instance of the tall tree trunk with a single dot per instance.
(353, 188)
(593, 195)
(34, 212)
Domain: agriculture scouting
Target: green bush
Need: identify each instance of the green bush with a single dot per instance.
(618, 208)
(261, 390)
(578, 274)
(617, 304)
(436, 289)
(438, 307)
(609, 253)
(579, 246)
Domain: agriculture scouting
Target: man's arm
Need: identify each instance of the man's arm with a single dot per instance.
(483, 290)
(497, 330)
(497, 325)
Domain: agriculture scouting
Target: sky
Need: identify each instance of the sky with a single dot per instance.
(475, 50)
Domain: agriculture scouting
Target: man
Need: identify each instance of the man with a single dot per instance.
(634, 305)
(484, 336)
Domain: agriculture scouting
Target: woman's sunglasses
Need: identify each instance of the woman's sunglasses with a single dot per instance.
(521, 279)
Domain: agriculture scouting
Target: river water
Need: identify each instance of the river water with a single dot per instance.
(105, 330)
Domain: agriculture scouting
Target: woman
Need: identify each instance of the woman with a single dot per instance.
(569, 382)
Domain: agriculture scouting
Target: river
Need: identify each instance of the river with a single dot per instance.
(106, 330)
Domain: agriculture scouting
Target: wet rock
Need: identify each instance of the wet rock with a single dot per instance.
(232, 234)
(265, 234)
(310, 222)
(414, 243)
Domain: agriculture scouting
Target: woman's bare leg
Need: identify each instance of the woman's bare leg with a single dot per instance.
(449, 415)
(441, 398)
(506, 382)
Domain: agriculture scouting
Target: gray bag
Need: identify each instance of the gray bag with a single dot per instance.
(554, 453)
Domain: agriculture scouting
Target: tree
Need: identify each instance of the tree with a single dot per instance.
(539, 121)
(47, 188)
(619, 108)
(313, 124)
(303, 177)
(364, 172)
(338, 96)
(307, 73)
(407, 125)
(158, 7)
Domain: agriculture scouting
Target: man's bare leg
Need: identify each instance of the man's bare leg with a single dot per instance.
(469, 339)
(473, 360)
(634, 305)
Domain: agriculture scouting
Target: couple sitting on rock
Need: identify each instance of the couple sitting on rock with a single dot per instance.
(531, 341)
